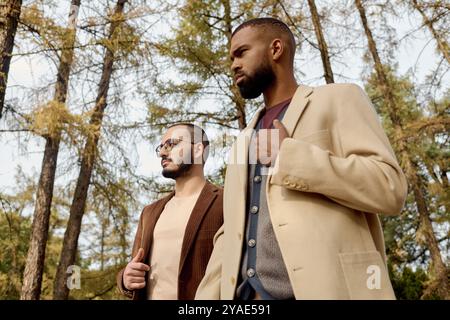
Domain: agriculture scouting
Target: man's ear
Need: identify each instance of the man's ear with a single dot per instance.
(198, 153)
(277, 48)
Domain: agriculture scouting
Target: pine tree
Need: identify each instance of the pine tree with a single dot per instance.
(395, 116)
(32, 280)
(89, 154)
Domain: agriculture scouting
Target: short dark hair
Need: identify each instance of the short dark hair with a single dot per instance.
(195, 137)
(272, 24)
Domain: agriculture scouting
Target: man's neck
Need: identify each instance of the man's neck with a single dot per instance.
(189, 185)
(281, 90)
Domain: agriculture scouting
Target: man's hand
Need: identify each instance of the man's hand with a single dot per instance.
(134, 274)
(269, 143)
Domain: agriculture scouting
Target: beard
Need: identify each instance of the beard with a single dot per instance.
(182, 170)
(251, 87)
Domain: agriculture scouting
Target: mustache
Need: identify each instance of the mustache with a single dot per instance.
(239, 74)
(165, 158)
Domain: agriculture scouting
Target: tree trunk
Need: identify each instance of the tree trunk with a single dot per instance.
(70, 243)
(328, 72)
(9, 17)
(442, 44)
(34, 267)
(237, 99)
(381, 75)
(439, 270)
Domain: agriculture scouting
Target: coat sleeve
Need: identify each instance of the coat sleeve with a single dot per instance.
(209, 287)
(365, 176)
(137, 241)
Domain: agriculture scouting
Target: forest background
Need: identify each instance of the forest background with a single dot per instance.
(87, 88)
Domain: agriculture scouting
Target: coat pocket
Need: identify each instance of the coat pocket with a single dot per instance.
(366, 276)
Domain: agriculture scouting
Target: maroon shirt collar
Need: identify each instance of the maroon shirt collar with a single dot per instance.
(272, 113)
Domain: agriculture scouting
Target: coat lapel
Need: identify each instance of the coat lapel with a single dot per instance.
(206, 197)
(150, 223)
(296, 107)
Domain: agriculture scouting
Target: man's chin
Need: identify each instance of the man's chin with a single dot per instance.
(170, 174)
(182, 170)
(248, 93)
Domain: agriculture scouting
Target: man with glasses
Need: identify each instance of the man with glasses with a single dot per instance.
(174, 239)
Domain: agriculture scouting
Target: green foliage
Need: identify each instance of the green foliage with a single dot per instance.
(98, 285)
(15, 232)
(14, 237)
(408, 284)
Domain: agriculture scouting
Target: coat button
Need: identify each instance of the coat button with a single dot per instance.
(257, 179)
(250, 272)
(254, 209)
(251, 243)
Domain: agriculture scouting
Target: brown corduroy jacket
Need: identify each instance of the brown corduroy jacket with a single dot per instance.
(206, 218)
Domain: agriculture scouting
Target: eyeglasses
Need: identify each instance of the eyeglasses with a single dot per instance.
(168, 145)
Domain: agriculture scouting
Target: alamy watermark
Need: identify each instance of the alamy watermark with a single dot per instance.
(74, 280)
(374, 280)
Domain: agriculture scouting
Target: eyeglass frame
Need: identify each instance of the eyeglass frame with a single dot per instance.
(169, 148)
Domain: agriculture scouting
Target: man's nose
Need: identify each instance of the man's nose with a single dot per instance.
(163, 152)
(235, 66)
